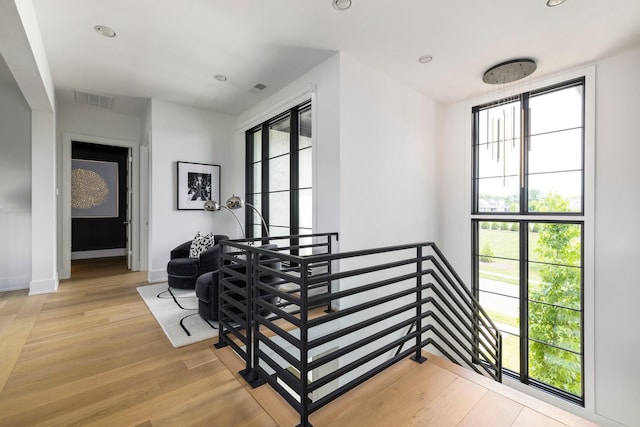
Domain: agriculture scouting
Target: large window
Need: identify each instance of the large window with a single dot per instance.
(279, 174)
(528, 228)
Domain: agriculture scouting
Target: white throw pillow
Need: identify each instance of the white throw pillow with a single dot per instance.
(200, 244)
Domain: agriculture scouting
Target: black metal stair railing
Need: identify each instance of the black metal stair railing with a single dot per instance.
(386, 304)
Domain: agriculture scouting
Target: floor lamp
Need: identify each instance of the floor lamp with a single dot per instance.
(235, 202)
(212, 205)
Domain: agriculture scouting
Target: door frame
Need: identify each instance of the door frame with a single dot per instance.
(65, 201)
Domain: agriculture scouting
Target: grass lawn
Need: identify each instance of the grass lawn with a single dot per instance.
(505, 244)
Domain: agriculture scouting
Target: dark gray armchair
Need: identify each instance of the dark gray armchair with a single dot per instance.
(183, 271)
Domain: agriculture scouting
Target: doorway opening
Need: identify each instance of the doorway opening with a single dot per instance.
(99, 201)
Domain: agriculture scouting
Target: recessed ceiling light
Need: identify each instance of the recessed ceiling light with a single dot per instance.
(105, 31)
(220, 77)
(342, 4)
(425, 59)
(554, 3)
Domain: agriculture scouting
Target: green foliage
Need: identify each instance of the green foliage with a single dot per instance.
(504, 226)
(486, 253)
(495, 226)
(485, 225)
(515, 226)
(554, 320)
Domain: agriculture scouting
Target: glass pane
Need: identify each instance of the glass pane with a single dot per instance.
(555, 243)
(257, 176)
(305, 213)
(498, 160)
(561, 286)
(503, 311)
(305, 174)
(555, 192)
(257, 146)
(279, 142)
(560, 327)
(279, 173)
(499, 194)
(279, 206)
(558, 368)
(556, 152)
(499, 239)
(511, 352)
(557, 110)
(499, 123)
(305, 129)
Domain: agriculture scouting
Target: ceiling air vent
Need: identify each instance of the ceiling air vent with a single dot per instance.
(97, 100)
(257, 88)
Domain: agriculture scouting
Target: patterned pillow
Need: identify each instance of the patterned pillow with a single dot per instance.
(200, 244)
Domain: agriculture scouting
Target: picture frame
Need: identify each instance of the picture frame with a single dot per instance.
(197, 183)
(94, 189)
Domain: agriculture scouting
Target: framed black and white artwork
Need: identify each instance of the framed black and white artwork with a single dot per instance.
(197, 183)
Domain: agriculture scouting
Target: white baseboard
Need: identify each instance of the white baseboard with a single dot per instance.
(155, 276)
(48, 286)
(102, 253)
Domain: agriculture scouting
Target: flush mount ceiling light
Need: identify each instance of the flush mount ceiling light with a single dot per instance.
(425, 59)
(554, 3)
(105, 31)
(220, 77)
(341, 4)
(509, 71)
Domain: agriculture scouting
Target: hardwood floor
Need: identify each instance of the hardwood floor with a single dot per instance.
(92, 354)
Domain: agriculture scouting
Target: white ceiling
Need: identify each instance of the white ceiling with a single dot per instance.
(171, 49)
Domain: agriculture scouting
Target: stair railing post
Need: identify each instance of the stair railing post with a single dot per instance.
(418, 357)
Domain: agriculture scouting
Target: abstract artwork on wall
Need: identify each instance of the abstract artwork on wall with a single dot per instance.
(94, 189)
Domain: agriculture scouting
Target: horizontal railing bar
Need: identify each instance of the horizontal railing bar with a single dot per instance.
(360, 361)
(361, 271)
(352, 328)
(291, 339)
(360, 307)
(362, 342)
(286, 376)
(281, 314)
(293, 361)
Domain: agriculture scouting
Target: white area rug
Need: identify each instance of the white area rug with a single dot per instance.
(169, 314)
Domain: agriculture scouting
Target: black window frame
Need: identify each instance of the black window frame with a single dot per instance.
(293, 115)
(524, 217)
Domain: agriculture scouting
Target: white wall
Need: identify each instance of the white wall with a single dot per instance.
(611, 329)
(180, 133)
(617, 233)
(15, 191)
(388, 164)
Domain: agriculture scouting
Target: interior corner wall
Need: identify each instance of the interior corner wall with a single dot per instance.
(617, 203)
(389, 173)
(15, 192)
(180, 133)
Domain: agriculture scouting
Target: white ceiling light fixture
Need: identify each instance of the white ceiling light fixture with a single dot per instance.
(425, 59)
(341, 4)
(554, 3)
(220, 77)
(105, 31)
(509, 71)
